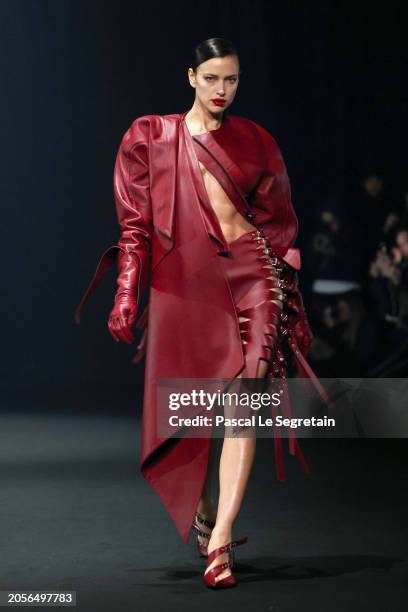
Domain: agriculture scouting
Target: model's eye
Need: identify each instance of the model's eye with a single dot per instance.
(232, 79)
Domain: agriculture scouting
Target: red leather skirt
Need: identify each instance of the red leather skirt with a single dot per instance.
(253, 273)
(253, 277)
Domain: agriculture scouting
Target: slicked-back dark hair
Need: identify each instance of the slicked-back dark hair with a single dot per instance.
(212, 47)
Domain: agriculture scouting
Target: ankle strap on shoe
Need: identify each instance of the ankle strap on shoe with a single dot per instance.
(204, 521)
(202, 533)
(226, 548)
(218, 569)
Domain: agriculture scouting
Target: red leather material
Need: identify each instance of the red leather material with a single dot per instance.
(123, 314)
(296, 321)
(254, 286)
(291, 257)
(192, 329)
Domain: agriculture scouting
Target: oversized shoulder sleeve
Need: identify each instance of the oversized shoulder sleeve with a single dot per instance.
(272, 200)
(131, 186)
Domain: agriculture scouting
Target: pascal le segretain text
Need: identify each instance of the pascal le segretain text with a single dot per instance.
(252, 421)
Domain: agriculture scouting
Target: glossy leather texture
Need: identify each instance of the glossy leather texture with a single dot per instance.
(124, 311)
(190, 325)
(211, 575)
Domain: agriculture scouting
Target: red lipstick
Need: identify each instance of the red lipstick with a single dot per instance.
(218, 101)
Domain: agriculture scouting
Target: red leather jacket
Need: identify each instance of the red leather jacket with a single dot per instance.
(191, 330)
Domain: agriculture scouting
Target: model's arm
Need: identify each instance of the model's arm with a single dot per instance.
(275, 211)
(133, 208)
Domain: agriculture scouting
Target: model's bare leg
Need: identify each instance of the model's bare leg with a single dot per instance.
(235, 466)
(206, 505)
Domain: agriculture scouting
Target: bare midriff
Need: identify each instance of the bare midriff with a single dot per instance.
(232, 223)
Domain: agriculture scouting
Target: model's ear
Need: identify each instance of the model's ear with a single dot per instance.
(191, 77)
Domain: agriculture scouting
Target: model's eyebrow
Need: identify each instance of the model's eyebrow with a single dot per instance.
(215, 75)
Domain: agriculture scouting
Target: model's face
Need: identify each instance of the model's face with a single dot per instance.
(215, 82)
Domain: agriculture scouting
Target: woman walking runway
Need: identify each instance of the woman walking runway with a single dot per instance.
(207, 226)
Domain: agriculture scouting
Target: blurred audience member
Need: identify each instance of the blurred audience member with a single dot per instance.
(404, 210)
(389, 280)
(350, 341)
(374, 211)
(358, 266)
(333, 259)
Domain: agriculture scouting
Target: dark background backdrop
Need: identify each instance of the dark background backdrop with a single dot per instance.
(326, 80)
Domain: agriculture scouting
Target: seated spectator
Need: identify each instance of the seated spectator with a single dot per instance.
(333, 258)
(374, 210)
(389, 280)
(403, 213)
(400, 253)
(350, 342)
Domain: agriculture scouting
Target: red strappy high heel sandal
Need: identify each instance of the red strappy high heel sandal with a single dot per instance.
(202, 548)
(210, 576)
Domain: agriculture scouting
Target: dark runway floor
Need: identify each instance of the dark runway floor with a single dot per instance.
(76, 515)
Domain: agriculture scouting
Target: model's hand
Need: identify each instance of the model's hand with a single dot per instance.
(294, 319)
(303, 335)
(298, 324)
(122, 317)
(124, 311)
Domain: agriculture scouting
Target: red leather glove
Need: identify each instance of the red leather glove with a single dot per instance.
(131, 185)
(294, 319)
(301, 328)
(133, 207)
(124, 312)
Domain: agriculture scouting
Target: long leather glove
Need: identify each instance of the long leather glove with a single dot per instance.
(133, 207)
(295, 326)
(124, 312)
(132, 251)
(294, 321)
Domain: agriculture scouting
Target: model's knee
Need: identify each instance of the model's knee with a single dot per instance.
(262, 368)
